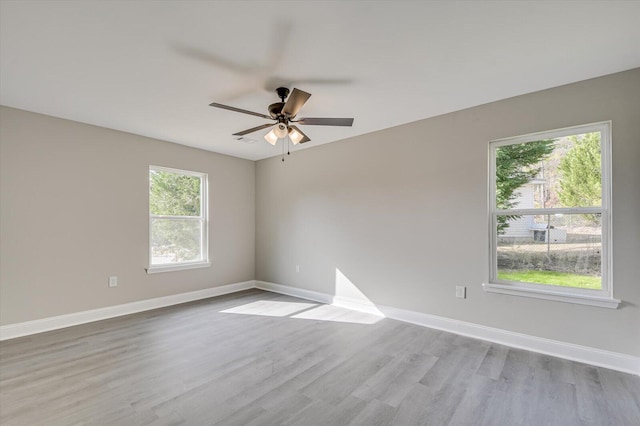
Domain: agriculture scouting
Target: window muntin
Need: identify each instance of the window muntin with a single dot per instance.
(550, 212)
(177, 218)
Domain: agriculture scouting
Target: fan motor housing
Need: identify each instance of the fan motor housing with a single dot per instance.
(276, 109)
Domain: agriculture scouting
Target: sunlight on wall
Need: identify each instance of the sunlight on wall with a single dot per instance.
(349, 304)
(349, 296)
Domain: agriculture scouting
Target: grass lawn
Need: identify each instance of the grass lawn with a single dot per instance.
(550, 277)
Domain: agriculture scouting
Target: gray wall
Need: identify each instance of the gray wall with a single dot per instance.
(399, 213)
(402, 214)
(74, 210)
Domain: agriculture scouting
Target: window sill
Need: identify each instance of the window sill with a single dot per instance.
(581, 299)
(179, 267)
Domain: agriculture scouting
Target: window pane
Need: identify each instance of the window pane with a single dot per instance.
(551, 173)
(173, 194)
(563, 250)
(175, 241)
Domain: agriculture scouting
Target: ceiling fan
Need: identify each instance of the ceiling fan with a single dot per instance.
(283, 114)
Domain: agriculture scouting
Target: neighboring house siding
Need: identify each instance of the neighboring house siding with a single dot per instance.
(521, 227)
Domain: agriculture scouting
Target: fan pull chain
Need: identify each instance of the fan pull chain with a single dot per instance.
(283, 151)
(288, 146)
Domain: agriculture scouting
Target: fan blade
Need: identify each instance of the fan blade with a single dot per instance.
(254, 129)
(305, 138)
(296, 99)
(325, 121)
(218, 61)
(280, 37)
(244, 111)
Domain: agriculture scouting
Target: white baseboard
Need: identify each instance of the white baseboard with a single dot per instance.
(295, 292)
(588, 355)
(573, 352)
(343, 302)
(357, 305)
(12, 331)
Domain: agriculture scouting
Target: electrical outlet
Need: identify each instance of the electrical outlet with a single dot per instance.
(297, 268)
(113, 281)
(461, 292)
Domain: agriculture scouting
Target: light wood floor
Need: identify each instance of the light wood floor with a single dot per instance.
(258, 358)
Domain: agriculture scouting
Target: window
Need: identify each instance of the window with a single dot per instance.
(550, 215)
(178, 236)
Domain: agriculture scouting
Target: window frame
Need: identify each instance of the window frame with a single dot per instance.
(602, 297)
(203, 218)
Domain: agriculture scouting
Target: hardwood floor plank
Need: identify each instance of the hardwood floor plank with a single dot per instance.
(413, 410)
(591, 407)
(341, 381)
(340, 414)
(475, 402)
(259, 358)
(376, 413)
(243, 417)
(493, 362)
(280, 413)
(394, 381)
(621, 394)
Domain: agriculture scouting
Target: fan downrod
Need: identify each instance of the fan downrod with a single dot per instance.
(275, 110)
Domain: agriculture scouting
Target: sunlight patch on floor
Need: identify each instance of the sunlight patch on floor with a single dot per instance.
(270, 308)
(307, 311)
(337, 314)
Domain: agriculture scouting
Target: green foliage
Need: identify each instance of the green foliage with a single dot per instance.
(178, 240)
(173, 194)
(564, 279)
(581, 183)
(515, 166)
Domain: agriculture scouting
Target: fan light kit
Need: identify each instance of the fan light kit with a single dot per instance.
(284, 113)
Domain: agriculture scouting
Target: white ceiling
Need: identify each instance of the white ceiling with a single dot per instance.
(152, 68)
